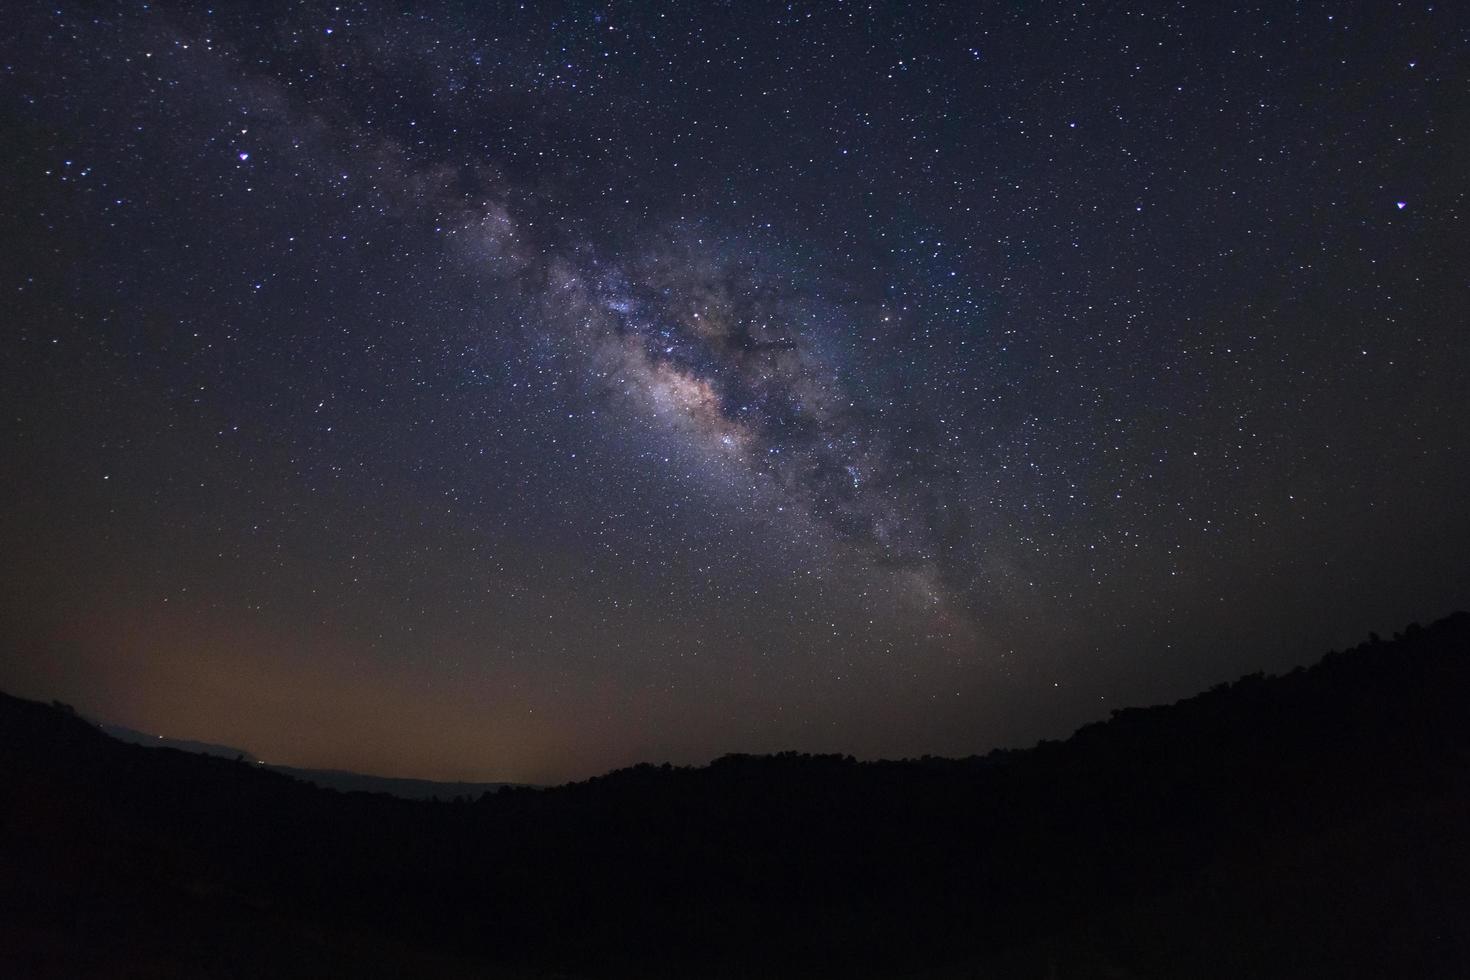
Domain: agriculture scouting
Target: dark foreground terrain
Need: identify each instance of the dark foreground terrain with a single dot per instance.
(1309, 825)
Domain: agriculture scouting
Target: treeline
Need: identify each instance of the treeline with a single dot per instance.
(1311, 824)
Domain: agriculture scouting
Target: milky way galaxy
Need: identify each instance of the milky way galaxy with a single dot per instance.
(518, 391)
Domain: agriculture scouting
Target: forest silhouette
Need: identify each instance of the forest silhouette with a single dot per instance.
(1309, 824)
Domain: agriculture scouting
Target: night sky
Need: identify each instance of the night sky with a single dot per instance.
(521, 391)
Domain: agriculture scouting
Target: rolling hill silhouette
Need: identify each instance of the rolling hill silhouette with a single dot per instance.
(1311, 824)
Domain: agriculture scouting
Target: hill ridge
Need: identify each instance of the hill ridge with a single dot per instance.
(1309, 824)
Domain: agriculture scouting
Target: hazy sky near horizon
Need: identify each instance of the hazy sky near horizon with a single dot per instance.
(518, 391)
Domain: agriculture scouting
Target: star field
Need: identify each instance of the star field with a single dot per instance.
(517, 391)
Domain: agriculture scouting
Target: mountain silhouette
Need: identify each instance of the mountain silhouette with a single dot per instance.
(338, 779)
(1310, 824)
(136, 737)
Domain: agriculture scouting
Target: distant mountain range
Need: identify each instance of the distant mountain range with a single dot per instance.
(408, 789)
(337, 779)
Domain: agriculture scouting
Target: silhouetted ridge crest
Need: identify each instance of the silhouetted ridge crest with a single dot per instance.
(1308, 824)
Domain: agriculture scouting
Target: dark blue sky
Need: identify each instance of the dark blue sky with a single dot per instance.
(500, 391)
